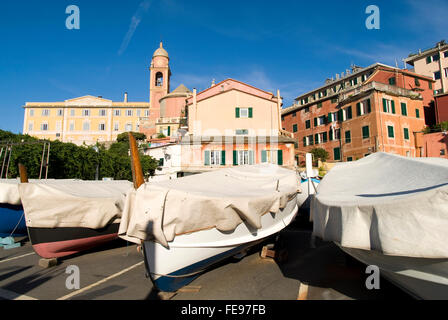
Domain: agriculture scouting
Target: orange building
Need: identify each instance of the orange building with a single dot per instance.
(378, 108)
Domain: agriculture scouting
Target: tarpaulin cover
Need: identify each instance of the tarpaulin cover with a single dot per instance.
(76, 203)
(387, 203)
(220, 199)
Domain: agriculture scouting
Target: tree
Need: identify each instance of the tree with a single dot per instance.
(319, 153)
(161, 136)
(124, 137)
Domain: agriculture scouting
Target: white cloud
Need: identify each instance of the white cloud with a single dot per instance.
(135, 21)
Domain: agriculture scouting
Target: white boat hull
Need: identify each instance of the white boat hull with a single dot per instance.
(423, 278)
(189, 254)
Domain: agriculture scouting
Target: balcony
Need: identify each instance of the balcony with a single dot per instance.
(169, 120)
(394, 90)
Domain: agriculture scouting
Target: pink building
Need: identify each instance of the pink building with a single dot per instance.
(233, 123)
(436, 145)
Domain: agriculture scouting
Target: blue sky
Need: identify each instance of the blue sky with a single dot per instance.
(288, 45)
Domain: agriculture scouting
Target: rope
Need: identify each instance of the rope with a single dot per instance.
(17, 225)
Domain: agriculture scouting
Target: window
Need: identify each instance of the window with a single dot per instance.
(446, 73)
(334, 100)
(445, 54)
(417, 113)
(364, 77)
(86, 112)
(305, 101)
(320, 138)
(436, 57)
(294, 114)
(294, 128)
(390, 132)
(428, 60)
(31, 112)
(44, 127)
(116, 126)
(349, 159)
(146, 113)
(129, 113)
(406, 133)
(45, 112)
(102, 113)
(442, 152)
(139, 112)
(243, 112)
(72, 126)
(86, 126)
(417, 82)
(72, 112)
(283, 118)
(159, 79)
(117, 112)
(128, 127)
(307, 124)
(272, 156)
(241, 131)
(319, 121)
(243, 157)
(60, 113)
(354, 82)
(389, 106)
(345, 114)
(30, 126)
(102, 127)
(319, 105)
(307, 109)
(365, 132)
(214, 157)
(337, 154)
(404, 109)
(437, 75)
(392, 81)
(363, 107)
(348, 138)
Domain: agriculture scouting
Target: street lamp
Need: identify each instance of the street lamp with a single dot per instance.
(98, 161)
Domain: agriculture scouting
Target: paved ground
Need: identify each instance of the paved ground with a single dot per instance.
(116, 271)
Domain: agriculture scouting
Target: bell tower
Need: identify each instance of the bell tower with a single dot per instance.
(159, 84)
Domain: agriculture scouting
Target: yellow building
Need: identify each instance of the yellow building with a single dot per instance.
(85, 119)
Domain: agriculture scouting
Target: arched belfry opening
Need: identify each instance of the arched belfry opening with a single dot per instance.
(159, 79)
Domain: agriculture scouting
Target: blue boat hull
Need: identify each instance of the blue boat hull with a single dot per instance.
(9, 218)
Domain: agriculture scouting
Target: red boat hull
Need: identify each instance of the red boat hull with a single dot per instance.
(60, 242)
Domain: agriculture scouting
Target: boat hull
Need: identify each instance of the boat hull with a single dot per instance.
(189, 255)
(422, 278)
(60, 242)
(12, 217)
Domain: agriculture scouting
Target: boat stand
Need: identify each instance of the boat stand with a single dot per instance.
(9, 243)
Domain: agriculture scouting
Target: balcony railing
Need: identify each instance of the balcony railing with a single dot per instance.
(380, 87)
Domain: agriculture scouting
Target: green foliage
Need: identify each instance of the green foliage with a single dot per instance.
(319, 153)
(124, 137)
(69, 161)
(161, 136)
(440, 127)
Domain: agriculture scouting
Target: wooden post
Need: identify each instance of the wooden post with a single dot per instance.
(23, 174)
(137, 172)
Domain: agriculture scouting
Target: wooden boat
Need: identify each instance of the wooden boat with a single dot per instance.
(392, 212)
(71, 216)
(188, 224)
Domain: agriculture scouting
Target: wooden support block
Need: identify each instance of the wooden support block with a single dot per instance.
(48, 263)
(190, 289)
(267, 252)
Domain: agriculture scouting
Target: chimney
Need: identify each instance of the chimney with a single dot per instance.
(125, 97)
(100, 97)
(213, 83)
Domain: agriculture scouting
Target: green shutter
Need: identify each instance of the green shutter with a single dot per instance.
(251, 112)
(358, 109)
(308, 124)
(223, 157)
(169, 131)
(384, 105)
(349, 112)
(340, 115)
(315, 122)
(348, 138)
(311, 140)
(417, 113)
(330, 117)
(337, 154)
(304, 141)
(390, 131)
(406, 133)
(207, 158)
(251, 157)
(404, 111)
(365, 132)
(237, 112)
(280, 157)
(316, 138)
(393, 106)
(369, 106)
(330, 133)
(264, 157)
(235, 157)
(294, 128)
(325, 136)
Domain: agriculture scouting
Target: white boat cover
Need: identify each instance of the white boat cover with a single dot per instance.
(220, 199)
(388, 203)
(73, 203)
